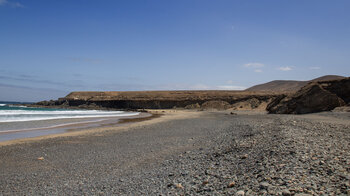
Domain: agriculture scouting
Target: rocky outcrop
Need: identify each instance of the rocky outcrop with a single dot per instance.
(219, 105)
(314, 97)
(160, 99)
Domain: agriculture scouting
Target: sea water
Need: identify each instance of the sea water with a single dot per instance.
(21, 121)
(14, 113)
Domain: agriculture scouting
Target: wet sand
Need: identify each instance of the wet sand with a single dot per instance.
(34, 129)
(83, 128)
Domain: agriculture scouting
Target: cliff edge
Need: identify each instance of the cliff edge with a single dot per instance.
(163, 99)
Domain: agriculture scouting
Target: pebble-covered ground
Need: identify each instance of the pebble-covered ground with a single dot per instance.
(214, 154)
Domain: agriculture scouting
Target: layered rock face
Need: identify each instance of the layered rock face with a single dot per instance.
(160, 99)
(314, 97)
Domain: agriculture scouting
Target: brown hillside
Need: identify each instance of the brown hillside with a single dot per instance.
(316, 96)
(289, 85)
(161, 95)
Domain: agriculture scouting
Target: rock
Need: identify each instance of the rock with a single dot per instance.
(240, 193)
(231, 184)
(41, 158)
(302, 194)
(342, 109)
(254, 103)
(314, 97)
(264, 185)
(286, 192)
(193, 106)
(218, 105)
(179, 186)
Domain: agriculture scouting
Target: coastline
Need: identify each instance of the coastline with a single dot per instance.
(122, 125)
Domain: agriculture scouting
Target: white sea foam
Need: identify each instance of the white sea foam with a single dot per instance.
(17, 106)
(34, 115)
(57, 112)
(1, 104)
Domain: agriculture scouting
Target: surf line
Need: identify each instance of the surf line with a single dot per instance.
(51, 127)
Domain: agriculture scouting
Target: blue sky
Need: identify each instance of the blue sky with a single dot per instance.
(49, 48)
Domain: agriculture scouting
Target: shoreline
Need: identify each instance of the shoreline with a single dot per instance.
(122, 124)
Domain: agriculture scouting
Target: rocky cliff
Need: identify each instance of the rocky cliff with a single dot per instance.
(314, 97)
(318, 95)
(161, 99)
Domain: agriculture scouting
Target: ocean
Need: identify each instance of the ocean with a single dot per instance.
(21, 121)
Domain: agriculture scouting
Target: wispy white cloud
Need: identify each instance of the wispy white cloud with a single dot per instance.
(199, 87)
(257, 67)
(17, 4)
(286, 68)
(254, 65)
(230, 87)
(10, 3)
(229, 82)
(314, 68)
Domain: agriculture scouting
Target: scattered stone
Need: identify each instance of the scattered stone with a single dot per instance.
(231, 184)
(41, 158)
(302, 194)
(286, 192)
(179, 186)
(264, 185)
(240, 193)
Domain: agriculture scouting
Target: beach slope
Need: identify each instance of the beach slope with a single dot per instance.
(201, 153)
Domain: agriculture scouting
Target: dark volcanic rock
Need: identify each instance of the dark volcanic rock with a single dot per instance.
(219, 105)
(159, 99)
(314, 97)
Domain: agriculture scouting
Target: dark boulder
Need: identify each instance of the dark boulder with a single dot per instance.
(314, 97)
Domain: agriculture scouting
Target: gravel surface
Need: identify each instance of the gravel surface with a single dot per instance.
(214, 154)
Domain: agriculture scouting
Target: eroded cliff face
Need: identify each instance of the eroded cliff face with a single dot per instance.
(161, 99)
(314, 97)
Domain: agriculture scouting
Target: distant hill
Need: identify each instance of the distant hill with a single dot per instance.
(289, 85)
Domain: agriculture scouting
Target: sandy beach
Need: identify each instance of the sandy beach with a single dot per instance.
(34, 129)
(186, 152)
